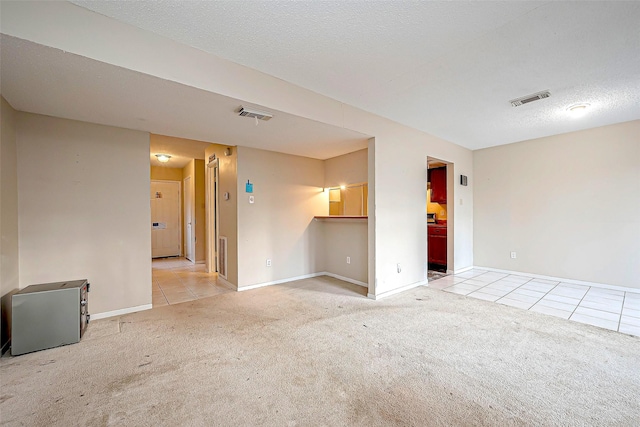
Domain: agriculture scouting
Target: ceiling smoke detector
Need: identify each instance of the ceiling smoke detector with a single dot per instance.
(259, 115)
(530, 98)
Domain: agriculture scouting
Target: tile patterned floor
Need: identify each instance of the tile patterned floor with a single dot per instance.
(606, 308)
(177, 280)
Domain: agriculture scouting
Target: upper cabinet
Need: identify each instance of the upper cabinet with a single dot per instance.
(438, 180)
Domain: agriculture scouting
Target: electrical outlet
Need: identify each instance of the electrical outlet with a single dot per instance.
(348, 260)
(268, 263)
(399, 268)
(513, 255)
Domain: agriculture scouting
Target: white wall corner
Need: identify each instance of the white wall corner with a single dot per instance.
(396, 291)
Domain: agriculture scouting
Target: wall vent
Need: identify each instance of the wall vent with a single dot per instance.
(530, 98)
(222, 257)
(259, 115)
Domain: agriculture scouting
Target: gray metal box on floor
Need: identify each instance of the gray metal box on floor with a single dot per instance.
(48, 315)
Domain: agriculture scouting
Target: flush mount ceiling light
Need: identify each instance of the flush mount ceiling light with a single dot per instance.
(163, 158)
(578, 110)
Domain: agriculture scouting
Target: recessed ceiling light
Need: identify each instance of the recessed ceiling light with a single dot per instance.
(163, 158)
(578, 110)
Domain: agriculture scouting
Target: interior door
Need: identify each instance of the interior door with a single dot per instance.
(188, 220)
(165, 219)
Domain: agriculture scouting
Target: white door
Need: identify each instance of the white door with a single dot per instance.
(188, 220)
(165, 219)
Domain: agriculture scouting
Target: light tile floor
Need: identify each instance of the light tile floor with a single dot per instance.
(177, 280)
(606, 308)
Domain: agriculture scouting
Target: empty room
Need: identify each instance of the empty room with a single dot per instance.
(319, 213)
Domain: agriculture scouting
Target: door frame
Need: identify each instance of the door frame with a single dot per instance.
(179, 210)
(189, 243)
(451, 206)
(212, 203)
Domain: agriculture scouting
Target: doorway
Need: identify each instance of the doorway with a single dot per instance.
(439, 214)
(213, 214)
(188, 219)
(165, 219)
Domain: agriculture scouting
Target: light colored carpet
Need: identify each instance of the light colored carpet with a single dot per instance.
(317, 352)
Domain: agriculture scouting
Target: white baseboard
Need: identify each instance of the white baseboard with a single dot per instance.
(396, 291)
(278, 282)
(305, 276)
(462, 270)
(560, 279)
(120, 312)
(346, 279)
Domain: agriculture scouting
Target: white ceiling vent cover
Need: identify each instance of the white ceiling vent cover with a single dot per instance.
(260, 115)
(530, 98)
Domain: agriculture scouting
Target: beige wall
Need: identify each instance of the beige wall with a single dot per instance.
(344, 238)
(84, 208)
(9, 265)
(160, 173)
(568, 205)
(398, 154)
(279, 225)
(348, 169)
(8, 201)
(397, 216)
(228, 210)
(195, 170)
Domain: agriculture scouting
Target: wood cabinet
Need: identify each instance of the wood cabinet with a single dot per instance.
(437, 244)
(438, 179)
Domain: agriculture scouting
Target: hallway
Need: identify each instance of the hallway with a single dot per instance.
(177, 280)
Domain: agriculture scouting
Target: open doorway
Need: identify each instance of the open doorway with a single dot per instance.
(178, 172)
(166, 236)
(439, 214)
(213, 213)
(189, 241)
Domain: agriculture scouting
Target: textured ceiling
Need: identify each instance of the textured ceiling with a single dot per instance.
(49, 81)
(447, 68)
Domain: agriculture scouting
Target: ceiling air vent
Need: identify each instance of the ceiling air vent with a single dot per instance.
(259, 115)
(530, 98)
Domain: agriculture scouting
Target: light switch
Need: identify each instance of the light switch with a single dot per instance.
(251, 199)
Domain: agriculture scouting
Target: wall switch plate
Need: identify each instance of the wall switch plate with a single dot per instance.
(251, 199)
(399, 268)
(268, 263)
(513, 255)
(348, 260)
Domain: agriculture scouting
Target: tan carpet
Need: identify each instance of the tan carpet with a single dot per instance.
(317, 352)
